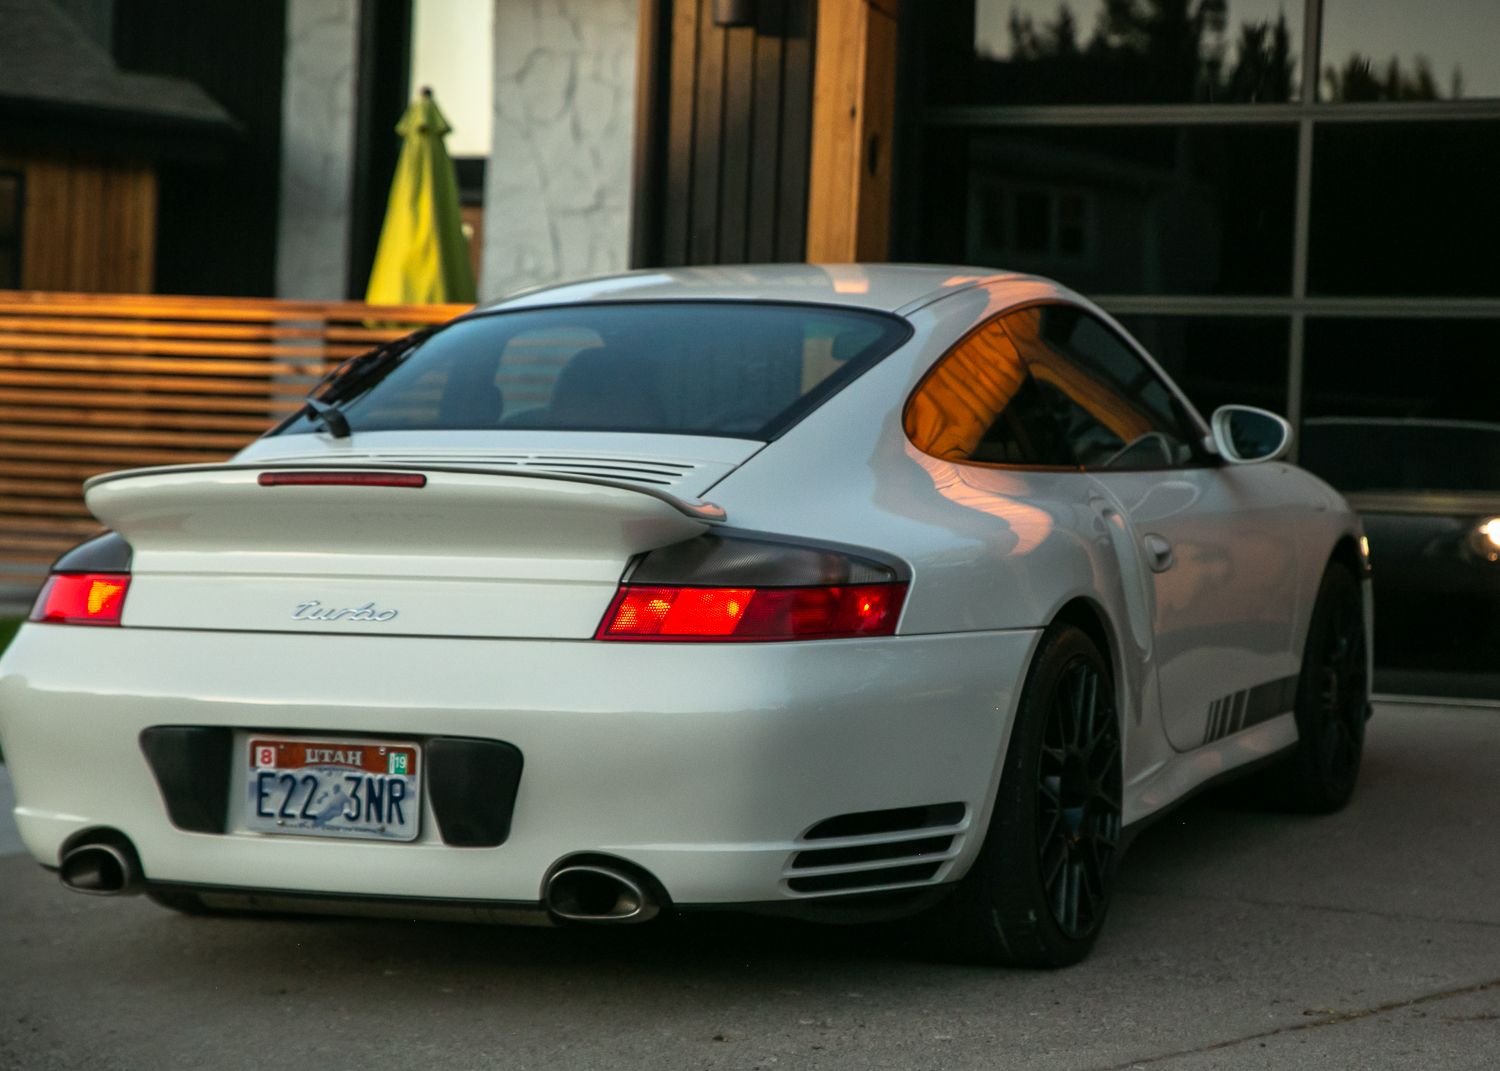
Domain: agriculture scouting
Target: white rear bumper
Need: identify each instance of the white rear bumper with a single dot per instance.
(704, 764)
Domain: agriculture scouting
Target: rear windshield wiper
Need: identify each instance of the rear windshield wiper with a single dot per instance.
(332, 417)
(355, 376)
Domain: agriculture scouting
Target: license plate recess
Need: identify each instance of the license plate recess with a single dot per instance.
(321, 787)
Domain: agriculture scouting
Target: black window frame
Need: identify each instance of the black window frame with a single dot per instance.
(13, 247)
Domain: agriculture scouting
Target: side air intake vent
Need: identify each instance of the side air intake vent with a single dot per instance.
(878, 849)
(893, 821)
(865, 879)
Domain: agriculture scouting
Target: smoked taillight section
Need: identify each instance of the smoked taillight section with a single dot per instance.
(82, 599)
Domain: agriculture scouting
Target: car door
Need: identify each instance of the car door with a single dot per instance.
(1211, 541)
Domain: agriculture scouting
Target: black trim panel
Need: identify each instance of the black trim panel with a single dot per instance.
(191, 764)
(295, 901)
(472, 787)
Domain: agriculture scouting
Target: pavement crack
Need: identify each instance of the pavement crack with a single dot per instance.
(1332, 1019)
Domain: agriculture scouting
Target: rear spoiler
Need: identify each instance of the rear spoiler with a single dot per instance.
(694, 508)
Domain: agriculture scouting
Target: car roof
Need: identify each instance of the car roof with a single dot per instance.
(897, 288)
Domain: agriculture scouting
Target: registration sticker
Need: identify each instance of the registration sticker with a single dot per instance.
(333, 788)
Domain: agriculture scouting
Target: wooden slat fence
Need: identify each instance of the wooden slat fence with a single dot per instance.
(90, 383)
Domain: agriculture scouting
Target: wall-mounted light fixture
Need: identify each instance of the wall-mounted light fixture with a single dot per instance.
(734, 12)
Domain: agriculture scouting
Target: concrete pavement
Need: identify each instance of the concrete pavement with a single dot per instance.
(1369, 939)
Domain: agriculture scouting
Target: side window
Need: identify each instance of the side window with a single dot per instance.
(979, 404)
(1112, 409)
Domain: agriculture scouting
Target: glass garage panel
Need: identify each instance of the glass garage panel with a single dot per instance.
(1123, 210)
(1406, 208)
(1110, 52)
(1220, 360)
(1403, 404)
(1394, 50)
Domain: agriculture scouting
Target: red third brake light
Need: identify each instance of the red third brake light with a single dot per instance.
(697, 614)
(341, 479)
(82, 599)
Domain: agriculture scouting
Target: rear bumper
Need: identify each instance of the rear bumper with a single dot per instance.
(706, 765)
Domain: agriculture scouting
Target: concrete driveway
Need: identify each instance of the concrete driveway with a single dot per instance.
(1370, 939)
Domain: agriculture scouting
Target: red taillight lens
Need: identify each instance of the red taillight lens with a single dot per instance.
(689, 614)
(82, 598)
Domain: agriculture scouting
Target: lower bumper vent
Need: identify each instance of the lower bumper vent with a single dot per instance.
(878, 849)
(865, 879)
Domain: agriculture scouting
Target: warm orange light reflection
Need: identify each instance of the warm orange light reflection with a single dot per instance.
(848, 278)
(988, 491)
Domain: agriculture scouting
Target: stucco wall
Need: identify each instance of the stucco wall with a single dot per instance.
(557, 197)
(317, 149)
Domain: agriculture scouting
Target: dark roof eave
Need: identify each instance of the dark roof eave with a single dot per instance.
(51, 124)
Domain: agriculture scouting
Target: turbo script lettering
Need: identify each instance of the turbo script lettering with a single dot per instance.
(313, 610)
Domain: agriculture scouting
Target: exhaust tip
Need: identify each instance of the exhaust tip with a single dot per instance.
(597, 893)
(100, 870)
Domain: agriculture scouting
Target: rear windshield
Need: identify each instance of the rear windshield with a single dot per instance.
(1400, 455)
(738, 369)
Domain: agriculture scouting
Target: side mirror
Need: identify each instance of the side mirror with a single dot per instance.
(1244, 434)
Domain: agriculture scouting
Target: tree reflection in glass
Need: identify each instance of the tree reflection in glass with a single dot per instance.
(1128, 51)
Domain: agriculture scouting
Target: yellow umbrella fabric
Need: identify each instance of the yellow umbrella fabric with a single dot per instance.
(423, 257)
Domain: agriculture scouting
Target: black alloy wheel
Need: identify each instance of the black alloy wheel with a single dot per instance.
(1333, 704)
(1078, 799)
(1038, 893)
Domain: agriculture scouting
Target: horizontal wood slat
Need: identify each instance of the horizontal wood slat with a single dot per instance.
(93, 383)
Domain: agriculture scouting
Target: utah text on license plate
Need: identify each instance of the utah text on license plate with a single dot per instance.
(333, 788)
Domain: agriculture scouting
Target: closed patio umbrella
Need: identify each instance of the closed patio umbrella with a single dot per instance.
(423, 257)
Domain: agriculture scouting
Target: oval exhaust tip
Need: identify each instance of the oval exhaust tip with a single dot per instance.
(99, 870)
(591, 893)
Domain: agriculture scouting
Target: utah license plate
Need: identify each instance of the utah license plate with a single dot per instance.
(333, 788)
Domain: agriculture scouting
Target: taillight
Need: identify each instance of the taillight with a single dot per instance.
(82, 598)
(729, 586)
(684, 614)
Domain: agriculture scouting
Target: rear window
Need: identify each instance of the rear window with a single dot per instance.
(746, 370)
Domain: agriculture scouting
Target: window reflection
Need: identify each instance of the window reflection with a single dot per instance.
(1229, 360)
(1114, 51)
(1405, 208)
(1122, 210)
(1395, 50)
(1388, 367)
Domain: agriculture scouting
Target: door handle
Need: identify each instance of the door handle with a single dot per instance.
(1158, 552)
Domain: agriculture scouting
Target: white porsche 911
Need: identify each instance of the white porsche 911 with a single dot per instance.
(841, 593)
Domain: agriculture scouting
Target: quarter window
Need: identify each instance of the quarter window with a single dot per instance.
(979, 403)
(1111, 407)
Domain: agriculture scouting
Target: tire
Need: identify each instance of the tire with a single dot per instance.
(1333, 704)
(1039, 891)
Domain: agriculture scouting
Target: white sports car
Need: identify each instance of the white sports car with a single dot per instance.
(843, 593)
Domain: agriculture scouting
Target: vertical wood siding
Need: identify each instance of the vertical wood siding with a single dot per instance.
(86, 224)
(732, 116)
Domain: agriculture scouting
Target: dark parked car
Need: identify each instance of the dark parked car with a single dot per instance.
(1429, 492)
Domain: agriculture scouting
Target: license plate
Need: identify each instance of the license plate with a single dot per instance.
(333, 788)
